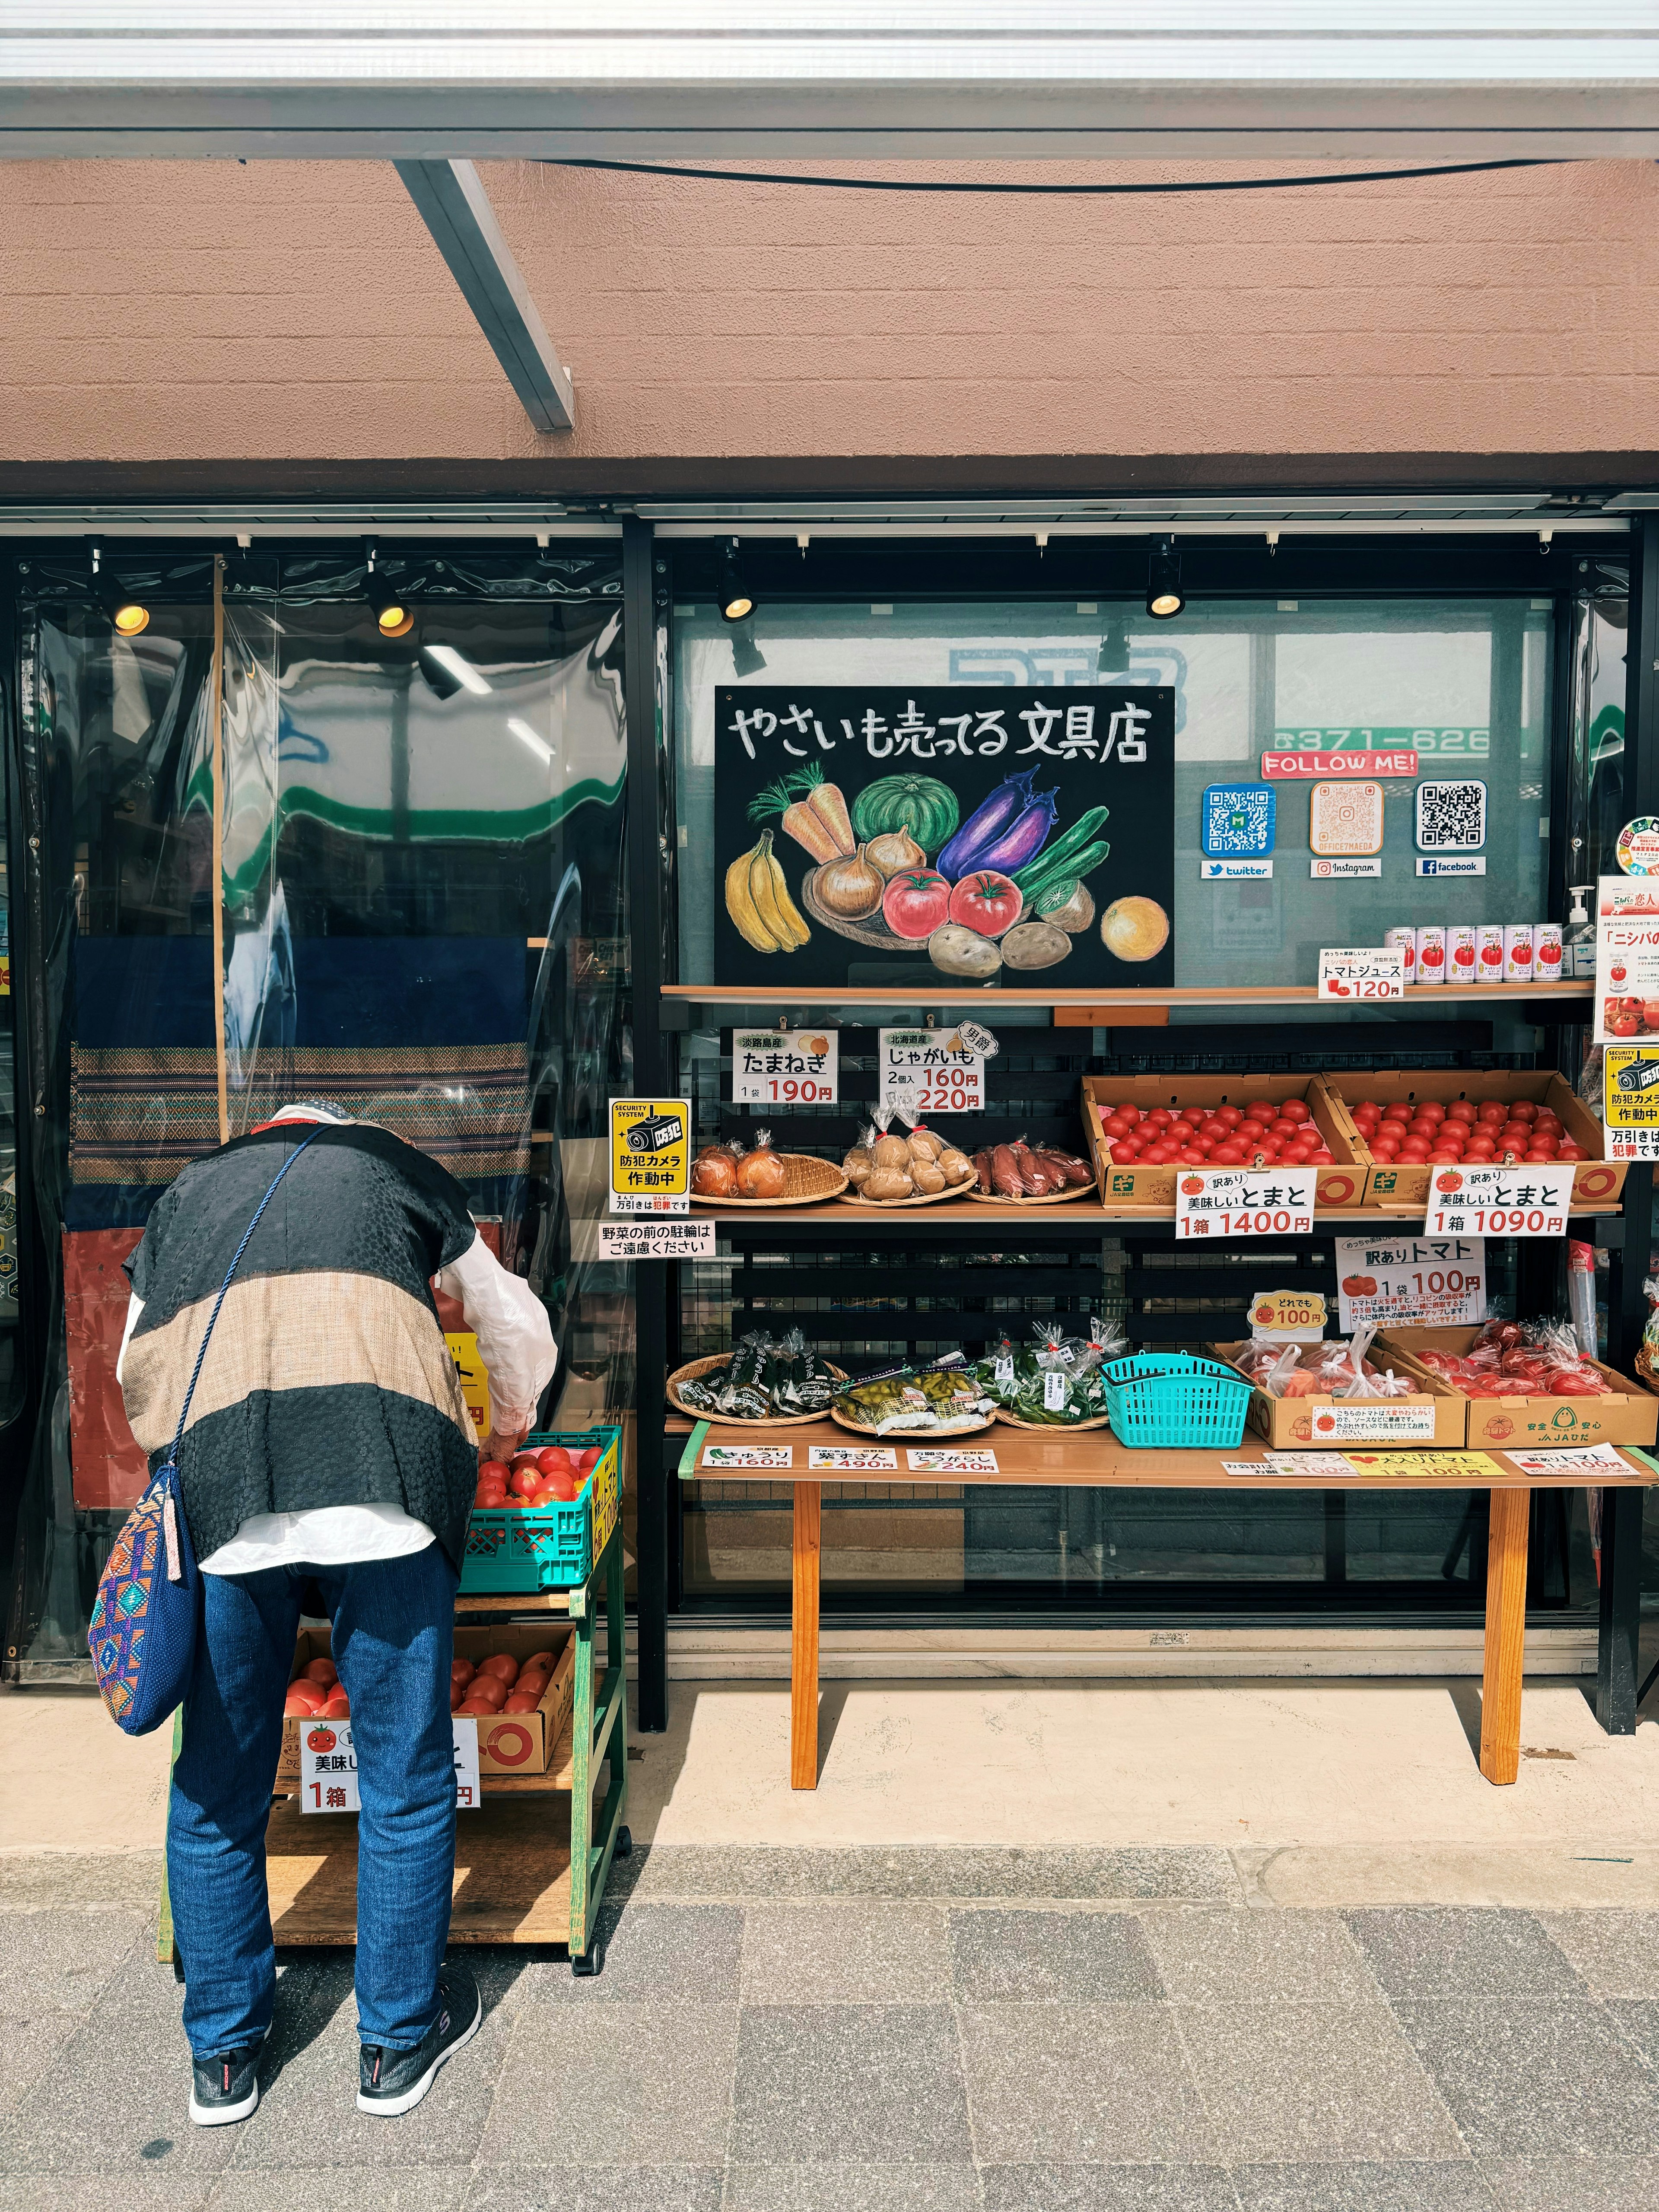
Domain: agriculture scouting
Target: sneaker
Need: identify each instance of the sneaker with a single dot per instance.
(394, 2081)
(225, 2088)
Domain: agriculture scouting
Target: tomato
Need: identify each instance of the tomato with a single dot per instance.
(553, 1459)
(320, 1740)
(322, 1670)
(338, 1707)
(461, 1670)
(1493, 1110)
(502, 1665)
(1158, 1118)
(1261, 1109)
(303, 1699)
(475, 1709)
(916, 902)
(520, 1702)
(987, 902)
(1367, 1106)
(1624, 1026)
(1570, 1151)
(1296, 1110)
(489, 1691)
(1229, 1117)
(1461, 1109)
(1398, 1112)
(526, 1476)
(493, 1470)
(531, 1681)
(1228, 1156)
(1117, 1127)
(1191, 1158)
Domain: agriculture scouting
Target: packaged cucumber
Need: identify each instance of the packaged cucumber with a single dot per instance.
(765, 1376)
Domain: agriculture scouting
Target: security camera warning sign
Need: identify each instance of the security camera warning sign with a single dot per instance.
(650, 1156)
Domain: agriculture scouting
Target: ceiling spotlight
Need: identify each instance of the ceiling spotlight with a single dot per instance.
(1165, 597)
(393, 616)
(736, 601)
(128, 615)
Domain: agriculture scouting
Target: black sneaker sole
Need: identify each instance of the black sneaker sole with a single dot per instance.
(390, 2108)
(220, 2116)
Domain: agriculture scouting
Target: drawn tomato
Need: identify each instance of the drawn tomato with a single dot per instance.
(321, 1739)
(916, 902)
(1359, 1286)
(1193, 1185)
(1450, 1181)
(987, 902)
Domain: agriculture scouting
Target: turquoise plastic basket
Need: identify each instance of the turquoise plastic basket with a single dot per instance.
(1169, 1398)
(554, 1546)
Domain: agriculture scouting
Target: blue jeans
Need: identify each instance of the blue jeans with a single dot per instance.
(393, 1641)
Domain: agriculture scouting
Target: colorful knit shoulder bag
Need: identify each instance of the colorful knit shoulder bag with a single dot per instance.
(148, 1610)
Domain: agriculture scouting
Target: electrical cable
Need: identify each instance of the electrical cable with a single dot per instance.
(1056, 191)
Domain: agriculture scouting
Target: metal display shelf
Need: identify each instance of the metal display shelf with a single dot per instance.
(1086, 1219)
(1117, 1002)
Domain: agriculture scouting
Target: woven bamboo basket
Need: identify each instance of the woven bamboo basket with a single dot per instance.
(695, 1369)
(1048, 1198)
(1050, 1428)
(918, 1436)
(1644, 1367)
(805, 1181)
(898, 1205)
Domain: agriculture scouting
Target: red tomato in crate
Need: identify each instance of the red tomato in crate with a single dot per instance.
(590, 1458)
(526, 1473)
(502, 1665)
(488, 1691)
(520, 1701)
(475, 1709)
(1461, 1109)
(338, 1707)
(322, 1670)
(987, 902)
(553, 1459)
(493, 1470)
(461, 1670)
(1296, 1110)
(303, 1699)
(916, 902)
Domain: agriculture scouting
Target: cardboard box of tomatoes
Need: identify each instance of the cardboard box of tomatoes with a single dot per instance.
(1434, 1410)
(1502, 1103)
(1157, 1120)
(557, 1509)
(515, 1735)
(1527, 1421)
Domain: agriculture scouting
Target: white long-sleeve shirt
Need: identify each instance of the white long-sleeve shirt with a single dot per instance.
(515, 1342)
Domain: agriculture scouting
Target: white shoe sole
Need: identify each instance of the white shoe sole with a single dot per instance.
(220, 2116)
(390, 2107)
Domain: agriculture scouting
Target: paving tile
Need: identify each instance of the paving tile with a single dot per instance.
(1531, 2079)
(119, 2091)
(1573, 2184)
(1356, 2186)
(1051, 1958)
(1241, 1957)
(1107, 2189)
(595, 2189)
(634, 2085)
(653, 1955)
(1638, 2020)
(1079, 2084)
(145, 2189)
(1293, 2081)
(690, 1870)
(851, 2188)
(864, 1951)
(308, 2117)
(1459, 1951)
(125, 1881)
(879, 2082)
(28, 2048)
(58, 1961)
(1616, 1953)
(364, 2188)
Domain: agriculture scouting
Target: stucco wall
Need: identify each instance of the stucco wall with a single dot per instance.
(281, 314)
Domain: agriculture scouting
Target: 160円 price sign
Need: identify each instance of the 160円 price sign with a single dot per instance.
(927, 1072)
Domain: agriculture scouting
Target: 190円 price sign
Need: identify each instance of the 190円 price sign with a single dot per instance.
(1478, 1201)
(930, 1072)
(785, 1067)
(1218, 1202)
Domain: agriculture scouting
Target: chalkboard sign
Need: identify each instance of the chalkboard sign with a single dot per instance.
(987, 838)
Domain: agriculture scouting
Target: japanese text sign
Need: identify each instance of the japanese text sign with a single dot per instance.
(924, 1071)
(969, 833)
(650, 1155)
(328, 1766)
(657, 1237)
(785, 1067)
(1480, 1201)
(1627, 959)
(1630, 1099)
(1349, 971)
(1214, 1203)
(1440, 1280)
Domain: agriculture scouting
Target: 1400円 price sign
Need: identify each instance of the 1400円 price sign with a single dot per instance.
(1216, 1203)
(1478, 1201)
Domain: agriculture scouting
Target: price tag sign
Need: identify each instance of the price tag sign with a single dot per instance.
(1471, 1470)
(716, 1456)
(1296, 1315)
(466, 1763)
(1584, 1463)
(1363, 971)
(924, 1071)
(650, 1156)
(951, 1462)
(657, 1237)
(853, 1458)
(1477, 1201)
(786, 1068)
(1441, 1280)
(328, 1768)
(1214, 1203)
(1630, 1101)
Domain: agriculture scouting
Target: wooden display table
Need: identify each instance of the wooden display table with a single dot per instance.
(529, 1869)
(1096, 1459)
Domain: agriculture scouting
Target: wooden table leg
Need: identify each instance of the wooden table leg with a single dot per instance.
(804, 1640)
(1506, 1633)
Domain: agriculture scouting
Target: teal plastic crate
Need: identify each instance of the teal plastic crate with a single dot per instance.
(1172, 1399)
(554, 1546)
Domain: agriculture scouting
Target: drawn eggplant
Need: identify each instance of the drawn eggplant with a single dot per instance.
(989, 821)
(1018, 847)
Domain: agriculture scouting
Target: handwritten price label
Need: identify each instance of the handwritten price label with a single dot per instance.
(1476, 1201)
(786, 1068)
(927, 1072)
(1362, 972)
(1219, 1202)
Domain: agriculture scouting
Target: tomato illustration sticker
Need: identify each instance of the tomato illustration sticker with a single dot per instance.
(1449, 1181)
(321, 1739)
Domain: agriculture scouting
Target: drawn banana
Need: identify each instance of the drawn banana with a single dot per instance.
(770, 890)
(741, 904)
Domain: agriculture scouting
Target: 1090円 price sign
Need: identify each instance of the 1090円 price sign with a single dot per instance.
(1220, 1203)
(1480, 1201)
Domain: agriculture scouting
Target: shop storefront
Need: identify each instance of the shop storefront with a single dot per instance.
(459, 888)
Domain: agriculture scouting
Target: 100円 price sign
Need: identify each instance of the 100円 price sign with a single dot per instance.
(1215, 1203)
(1478, 1201)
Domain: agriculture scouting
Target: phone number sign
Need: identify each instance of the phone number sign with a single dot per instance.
(930, 1072)
(1221, 1202)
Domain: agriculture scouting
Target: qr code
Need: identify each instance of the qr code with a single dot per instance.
(1238, 821)
(1451, 817)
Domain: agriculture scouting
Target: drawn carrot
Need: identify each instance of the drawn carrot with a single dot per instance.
(804, 824)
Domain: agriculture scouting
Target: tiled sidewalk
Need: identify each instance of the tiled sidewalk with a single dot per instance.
(826, 2031)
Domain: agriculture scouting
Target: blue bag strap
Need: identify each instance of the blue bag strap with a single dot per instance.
(184, 1414)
